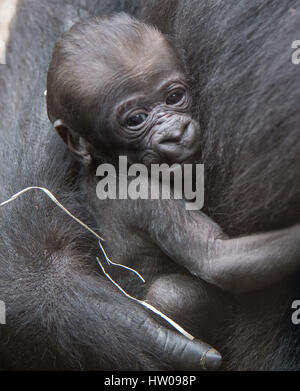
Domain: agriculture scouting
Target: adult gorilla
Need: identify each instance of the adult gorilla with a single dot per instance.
(60, 312)
(248, 106)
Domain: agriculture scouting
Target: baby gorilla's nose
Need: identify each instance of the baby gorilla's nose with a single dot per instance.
(174, 135)
(179, 141)
(174, 131)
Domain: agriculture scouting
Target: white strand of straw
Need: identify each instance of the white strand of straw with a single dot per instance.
(119, 264)
(143, 303)
(149, 306)
(51, 196)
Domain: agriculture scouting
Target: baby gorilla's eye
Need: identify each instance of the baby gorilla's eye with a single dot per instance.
(175, 97)
(136, 120)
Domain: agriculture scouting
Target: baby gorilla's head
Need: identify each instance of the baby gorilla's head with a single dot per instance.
(116, 87)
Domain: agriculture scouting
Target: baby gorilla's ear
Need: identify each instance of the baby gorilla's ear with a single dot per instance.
(78, 145)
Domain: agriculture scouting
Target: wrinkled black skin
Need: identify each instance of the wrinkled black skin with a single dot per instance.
(234, 197)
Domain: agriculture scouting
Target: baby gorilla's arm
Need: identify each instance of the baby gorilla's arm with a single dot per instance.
(196, 242)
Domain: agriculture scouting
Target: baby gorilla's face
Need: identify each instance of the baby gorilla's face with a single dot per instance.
(151, 119)
(121, 90)
(155, 124)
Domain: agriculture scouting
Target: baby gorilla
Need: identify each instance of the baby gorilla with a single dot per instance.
(116, 87)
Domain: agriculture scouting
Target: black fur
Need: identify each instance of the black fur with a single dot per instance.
(247, 94)
(248, 97)
(62, 313)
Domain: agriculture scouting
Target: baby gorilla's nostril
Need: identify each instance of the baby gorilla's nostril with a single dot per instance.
(175, 135)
